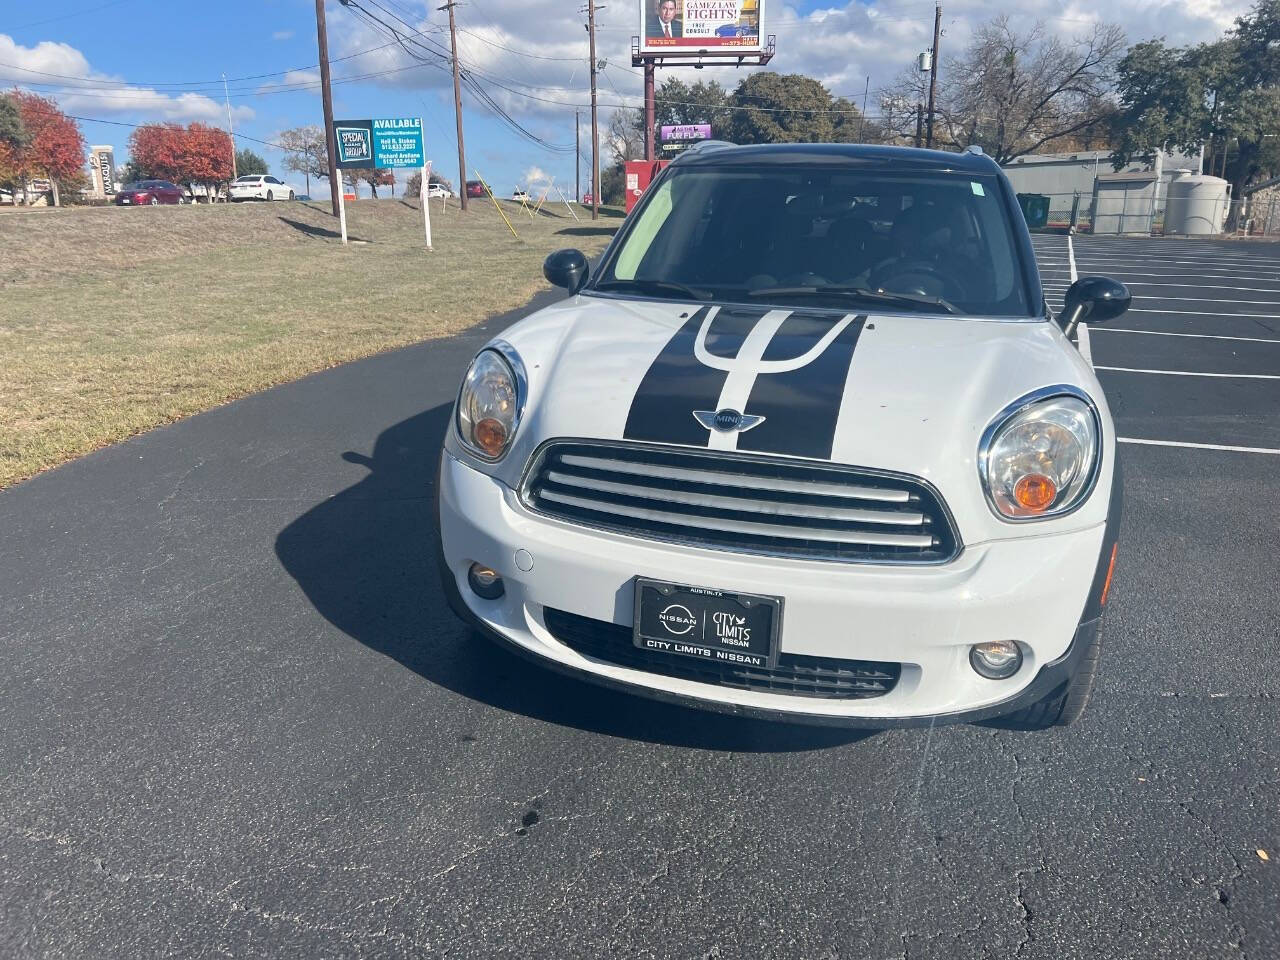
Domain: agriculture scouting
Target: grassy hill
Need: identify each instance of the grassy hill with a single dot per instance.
(114, 320)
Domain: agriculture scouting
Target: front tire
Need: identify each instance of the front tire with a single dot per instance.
(270, 196)
(1065, 705)
(155, 201)
(290, 194)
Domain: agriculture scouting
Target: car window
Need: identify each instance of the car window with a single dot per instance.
(739, 233)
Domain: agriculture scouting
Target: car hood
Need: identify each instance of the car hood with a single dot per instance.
(890, 391)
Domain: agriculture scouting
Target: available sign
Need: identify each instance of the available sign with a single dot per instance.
(392, 142)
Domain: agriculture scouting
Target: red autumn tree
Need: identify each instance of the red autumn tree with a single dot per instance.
(206, 156)
(54, 148)
(157, 149)
(198, 154)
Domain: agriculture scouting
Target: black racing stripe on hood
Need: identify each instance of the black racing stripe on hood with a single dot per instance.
(676, 384)
(801, 407)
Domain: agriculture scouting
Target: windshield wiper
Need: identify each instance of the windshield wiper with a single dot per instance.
(655, 286)
(860, 293)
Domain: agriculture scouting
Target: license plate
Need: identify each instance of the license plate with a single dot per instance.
(716, 626)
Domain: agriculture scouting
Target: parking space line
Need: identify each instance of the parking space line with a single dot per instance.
(1195, 373)
(1199, 336)
(1197, 446)
(1082, 343)
(1208, 286)
(1182, 273)
(1207, 313)
(1071, 259)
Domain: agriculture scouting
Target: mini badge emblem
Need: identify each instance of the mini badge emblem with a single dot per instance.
(727, 421)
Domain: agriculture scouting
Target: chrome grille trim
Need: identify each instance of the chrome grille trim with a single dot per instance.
(741, 503)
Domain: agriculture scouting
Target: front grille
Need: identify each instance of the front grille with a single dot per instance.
(795, 675)
(739, 502)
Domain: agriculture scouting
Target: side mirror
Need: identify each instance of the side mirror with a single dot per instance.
(1094, 299)
(567, 268)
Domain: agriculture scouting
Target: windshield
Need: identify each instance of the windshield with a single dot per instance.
(935, 242)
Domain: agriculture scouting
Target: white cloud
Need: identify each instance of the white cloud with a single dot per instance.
(61, 72)
(282, 35)
(535, 176)
(841, 45)
(297, 77)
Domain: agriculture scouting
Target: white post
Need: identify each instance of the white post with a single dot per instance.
(426, 206)
(566, 203)
(342, 207)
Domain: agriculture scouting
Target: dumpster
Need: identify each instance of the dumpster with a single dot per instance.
(1035, 208)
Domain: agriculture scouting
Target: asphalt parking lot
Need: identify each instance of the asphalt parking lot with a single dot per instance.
(238, 719)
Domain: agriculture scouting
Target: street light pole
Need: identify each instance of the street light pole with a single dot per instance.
(230, 132)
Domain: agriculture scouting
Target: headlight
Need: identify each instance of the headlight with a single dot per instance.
(490, 402)
(1039, 458)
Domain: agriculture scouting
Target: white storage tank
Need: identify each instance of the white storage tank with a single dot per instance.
(1197, 204)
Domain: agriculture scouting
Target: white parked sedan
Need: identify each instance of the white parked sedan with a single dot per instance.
(809, 444)
(437, 191)
(259, 187)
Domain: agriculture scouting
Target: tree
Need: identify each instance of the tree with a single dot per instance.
(54, 147)
(377, 177)
(625, 134)
(249, 164)
(789, 108)
(306, 152)
(206, 157)
(613, 185)
(156, 152)
(198, 154)
(1211, 95)
(676, 102)
(13, 139)
(1012, 92)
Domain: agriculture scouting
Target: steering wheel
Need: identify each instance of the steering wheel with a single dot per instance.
(919, 277)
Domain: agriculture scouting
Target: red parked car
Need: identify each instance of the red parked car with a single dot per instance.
(475, 188)
(150, 192)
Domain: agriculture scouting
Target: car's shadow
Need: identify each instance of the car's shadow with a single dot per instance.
(365, 560)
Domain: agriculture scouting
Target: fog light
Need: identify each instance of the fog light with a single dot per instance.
(484, 581)
(996, 659)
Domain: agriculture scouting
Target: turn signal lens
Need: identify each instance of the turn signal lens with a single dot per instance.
(490, 436)
(1034, 491)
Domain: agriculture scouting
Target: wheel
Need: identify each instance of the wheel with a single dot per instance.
(155, 201)
(290, 194)
(270, 196)
(1065, 705)
(181, 201)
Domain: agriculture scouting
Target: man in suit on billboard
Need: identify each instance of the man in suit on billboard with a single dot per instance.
(665, 24)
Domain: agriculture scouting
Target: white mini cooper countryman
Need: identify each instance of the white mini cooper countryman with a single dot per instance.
(807, 444)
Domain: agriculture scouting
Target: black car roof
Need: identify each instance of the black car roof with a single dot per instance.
(716, 153)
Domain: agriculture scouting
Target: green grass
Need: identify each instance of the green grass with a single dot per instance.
(113, 321)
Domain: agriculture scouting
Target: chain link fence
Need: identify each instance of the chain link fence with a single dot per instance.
(1141, 214)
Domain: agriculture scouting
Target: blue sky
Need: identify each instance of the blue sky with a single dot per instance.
(130, 61)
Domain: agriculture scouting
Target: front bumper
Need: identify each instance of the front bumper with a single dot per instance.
(1035, 590)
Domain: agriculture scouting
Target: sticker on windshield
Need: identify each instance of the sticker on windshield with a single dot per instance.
(977, 189)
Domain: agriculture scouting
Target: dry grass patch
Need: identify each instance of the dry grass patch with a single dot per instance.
(113, 321)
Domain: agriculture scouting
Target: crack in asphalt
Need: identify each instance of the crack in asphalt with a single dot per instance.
(1225, 888)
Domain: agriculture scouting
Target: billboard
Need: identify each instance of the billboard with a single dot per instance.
(683, 27)
(387, 143)
(677, 138)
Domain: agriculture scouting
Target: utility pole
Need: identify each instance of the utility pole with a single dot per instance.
(649, 111)
(457, 105)
(326, 98)
(862, 121)
(595, 130)
(919, 124)
(230, 132)
(933, 73)
(577, 157)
